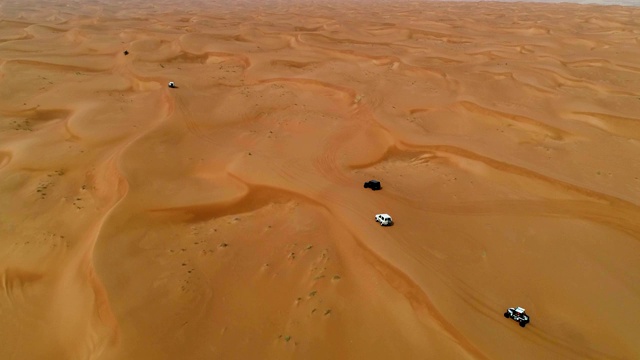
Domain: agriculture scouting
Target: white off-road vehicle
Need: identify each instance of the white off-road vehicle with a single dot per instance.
(518, 315)
(384, 219)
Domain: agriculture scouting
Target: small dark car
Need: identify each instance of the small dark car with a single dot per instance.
(373, 185)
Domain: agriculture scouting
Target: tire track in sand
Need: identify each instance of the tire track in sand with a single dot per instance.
(551, 131)
(472, 298)
(601, 213)
(397, 279)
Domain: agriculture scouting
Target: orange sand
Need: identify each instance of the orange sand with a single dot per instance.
(226, 219)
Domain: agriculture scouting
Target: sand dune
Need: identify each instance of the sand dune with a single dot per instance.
(226, 218)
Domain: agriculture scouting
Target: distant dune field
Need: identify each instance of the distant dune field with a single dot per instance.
(226, 218)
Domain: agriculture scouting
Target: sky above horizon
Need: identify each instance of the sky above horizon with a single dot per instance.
(595, 2)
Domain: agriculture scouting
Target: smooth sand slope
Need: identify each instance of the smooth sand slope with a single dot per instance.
(226, 219)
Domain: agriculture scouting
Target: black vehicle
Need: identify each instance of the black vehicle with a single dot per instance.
(518, 314)
(373, 185)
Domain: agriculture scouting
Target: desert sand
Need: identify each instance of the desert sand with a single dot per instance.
(226, 218)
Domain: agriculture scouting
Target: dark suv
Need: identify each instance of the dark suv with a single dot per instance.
(373, 185)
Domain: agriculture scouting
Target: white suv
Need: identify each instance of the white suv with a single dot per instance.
(518, 314)
(384, 219)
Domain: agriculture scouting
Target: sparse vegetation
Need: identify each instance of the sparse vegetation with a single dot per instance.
(24, 125)
(42, 188)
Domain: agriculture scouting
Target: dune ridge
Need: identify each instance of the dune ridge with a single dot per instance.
(225, 218)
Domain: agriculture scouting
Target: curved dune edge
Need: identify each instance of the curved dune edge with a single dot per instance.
(259, 197)
(5, 158)
(141, 221)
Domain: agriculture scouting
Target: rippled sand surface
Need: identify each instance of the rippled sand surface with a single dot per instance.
(226, 218)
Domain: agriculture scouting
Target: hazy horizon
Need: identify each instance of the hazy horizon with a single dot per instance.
(583, 2)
